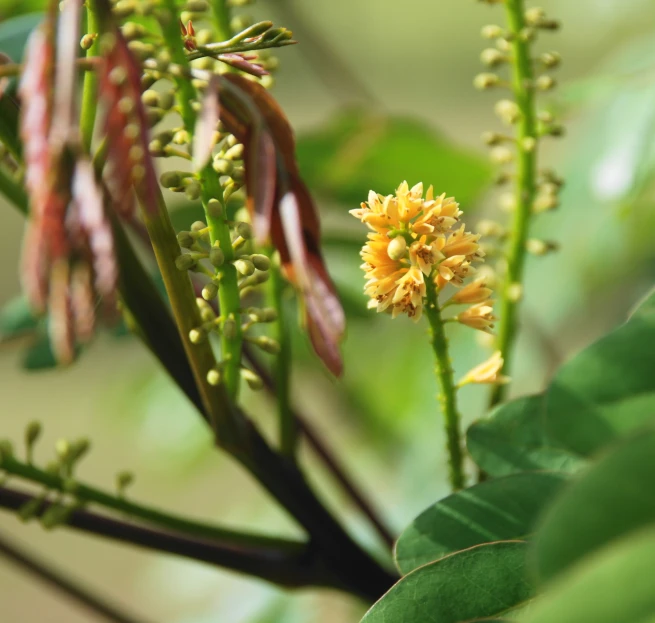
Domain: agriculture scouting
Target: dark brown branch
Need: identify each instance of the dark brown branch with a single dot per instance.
(327, 456)
(282, 567)
(72, 589)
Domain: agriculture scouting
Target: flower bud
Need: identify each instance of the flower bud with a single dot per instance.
(214, 377)
(197, 336)
(508, 111)
(244, 230)
(214, 209)
(491, 57)
(229, 328)
(171, 179)
(193, 190)
(197, 226)
(123, 481)
(501, 155)
(210, 291)
(485, 81)
(260, 261)
(150, 98)
(492, 138)
(88, 40)
(267, 344)
(244, 267)
(491, 31)
(32, 433)
(528, 144)
(534, 16)
(550, 59)
(185, 262)
(235, 152)
(540, 247)
(216, 256)
(222, 166)
(254, 380)
(185, 240)
(132, 30)
(196, 6)
(545, 83)
(397, 248)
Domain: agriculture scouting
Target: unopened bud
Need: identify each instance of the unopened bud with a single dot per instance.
(244, 230)
(397, 248)
(488, 227)
(32, 433)
(222, 166)
(132, 30)
(196, 6)
(214, 377)
(545, 83)
(234, 153)
(492, 57)
(185, 262)
(210, 291)
(254, 380)
(492, 138)
(514, 292)
(216, 257)
(550, 59)
(491, 31)
(185, 240)
(534, 16)
(88, 40)
(150, 98)
(528, 144)
(197, 336)
(501, 155)
(244, 267)
(171, 179)
(214, 209)
(123, 481)
(508, 111)
(124, 8)
(6, 450)
(193, 190)
(229, 328)
(260, 261)
(197, 226)
(485, 81)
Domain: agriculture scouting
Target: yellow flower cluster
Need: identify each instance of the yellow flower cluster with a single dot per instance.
(413, 239)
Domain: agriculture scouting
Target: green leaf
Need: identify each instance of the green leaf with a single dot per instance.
(645, 307)
(16, 318)
(358, 151)
(14, 33)
(613, 498)
(615, 585)
(497, 510)
(513, 439)
(484, 581)
(607, 390)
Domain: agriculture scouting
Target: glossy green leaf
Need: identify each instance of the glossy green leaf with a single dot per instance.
(513, 439)
(607, 390)
(497, 510)
(645, 307)
(358, 151)
(16, 318)
(14, 33)
(613, 586)
(484, 581)
(614, 497)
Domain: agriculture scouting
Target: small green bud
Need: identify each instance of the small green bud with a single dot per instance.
(501, 155)
(485, 81)
(488, 228)
(32, 433)
(88, 40)
(166, 100)
(545, 116)
(185, 262)
(193, 190)
(491, 31)
(229, 328)
(492, 138)
(244, 267)
(156, 148)
(540, 247)
(216, 257)
(196, 6)
(132, 30)
(124, 8)
(550, 59)
(181, 137)
(214, 209)
(222, 166)
(508, 111)
(244, 230)
(171, 179)
(234, 153)
(528, 144)
(268, 314)
(185, 240)
(210, 291)
(492, 57)
(198, 226)
(260, 261)
(141, 50)
(197, 336)
(6, 450)
(214, 377)
(79, 449)
(267, 344)
(545, 83)
(154, 116)
(534, 16)
(150, 98)
(254, 380)
(123, 481)
(63, 449)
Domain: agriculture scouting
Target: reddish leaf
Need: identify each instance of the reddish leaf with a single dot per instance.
(242, 63)
(203, 136)
(126, 127)
(282, 208)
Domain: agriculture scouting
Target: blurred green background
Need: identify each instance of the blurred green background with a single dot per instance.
(378, 92)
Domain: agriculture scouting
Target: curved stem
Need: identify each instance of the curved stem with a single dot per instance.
(448, 394)
(522, 75)
(288, 426)
(62, 583)
(87, 494)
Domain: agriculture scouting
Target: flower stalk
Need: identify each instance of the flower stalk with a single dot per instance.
(448, 389)
(90, 87)
(525, 186)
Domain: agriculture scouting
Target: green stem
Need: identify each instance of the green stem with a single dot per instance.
(222, 18)
(88, 494)
(90, 89)
(219, 231)
(448, 395)
(13, 192)
(522, 77)
(288, 426)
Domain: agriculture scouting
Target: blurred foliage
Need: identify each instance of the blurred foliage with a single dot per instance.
(358, 151)
(14, 33)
